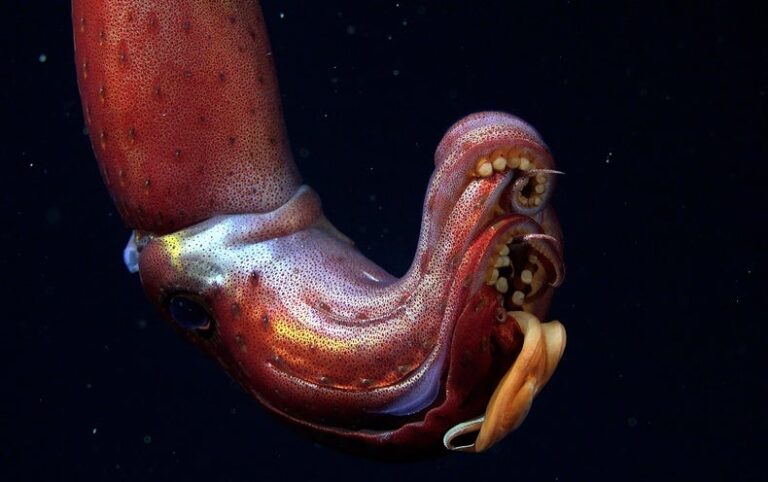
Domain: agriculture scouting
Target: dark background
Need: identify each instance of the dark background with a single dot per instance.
(656, 112)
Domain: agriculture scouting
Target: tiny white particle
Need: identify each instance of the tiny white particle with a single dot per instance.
(395, 72)
(282, 15)
(42, 58)
(94, 430)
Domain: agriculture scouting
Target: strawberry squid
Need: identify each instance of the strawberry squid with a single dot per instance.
(182, 105)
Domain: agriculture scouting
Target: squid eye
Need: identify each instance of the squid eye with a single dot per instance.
(188, 313)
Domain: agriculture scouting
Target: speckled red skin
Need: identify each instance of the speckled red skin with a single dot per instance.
(483, 345)
(298, 288)
(317, 333)
(182, 104)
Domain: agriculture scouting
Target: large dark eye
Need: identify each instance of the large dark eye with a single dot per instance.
(188, 313)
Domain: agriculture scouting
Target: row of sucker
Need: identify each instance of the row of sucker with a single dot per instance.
(532, 194)
(516, 272)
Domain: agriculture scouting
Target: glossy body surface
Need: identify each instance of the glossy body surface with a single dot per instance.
(182, 105)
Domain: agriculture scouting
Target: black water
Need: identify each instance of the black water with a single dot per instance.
(655, 110)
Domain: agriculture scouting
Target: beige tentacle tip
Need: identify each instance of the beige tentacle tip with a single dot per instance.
(542, 349)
